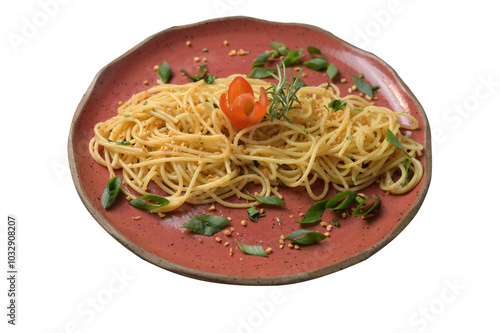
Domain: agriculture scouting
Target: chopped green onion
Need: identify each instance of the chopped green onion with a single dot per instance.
(317, 63)
(270, 200)
(111, 192)
(254, 213)
(281, 49)
(206, 225)
(332, 71)
(261, 59)
(305, 237)
(364, 86)
(254, 250)
(139, 202)
(292, 57)
(164, 72)
(363, 211)
(201, 71)
(393, 140)
(347, 198)
(261, 73)
(314, 213)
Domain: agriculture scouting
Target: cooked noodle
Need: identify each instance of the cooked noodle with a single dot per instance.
(176, 137)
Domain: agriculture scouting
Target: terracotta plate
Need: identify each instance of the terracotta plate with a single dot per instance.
(160, 240)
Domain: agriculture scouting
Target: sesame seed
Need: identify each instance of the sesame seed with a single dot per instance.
(136, 217)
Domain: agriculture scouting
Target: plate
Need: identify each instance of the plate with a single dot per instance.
(160, 241)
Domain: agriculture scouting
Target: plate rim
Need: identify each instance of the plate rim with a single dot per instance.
(249, 280)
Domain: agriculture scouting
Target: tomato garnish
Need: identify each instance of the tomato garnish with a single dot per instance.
(240, 106)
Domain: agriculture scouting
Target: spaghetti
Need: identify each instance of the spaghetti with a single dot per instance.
(173, 140)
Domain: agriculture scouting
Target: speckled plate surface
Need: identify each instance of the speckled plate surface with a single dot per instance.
(160, 240)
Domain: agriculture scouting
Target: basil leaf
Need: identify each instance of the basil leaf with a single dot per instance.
(261, 59)
(139, 202)
(363, 86)
(254, 250)
(332, 71)
(305, 237)
(164, 72)
(206, 224)
(350, 137)
(393, 140)
(280, 48)
(261, 73)
(271, 200)
(335, 222)
(314, 213)
(363, 211)
(337, 105)
(123, 143)
(254, 213)
(111, 192)
(347, 196)
(317, 63)
(292, 57)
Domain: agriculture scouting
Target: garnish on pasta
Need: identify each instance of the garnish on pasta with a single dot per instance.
(191, 151)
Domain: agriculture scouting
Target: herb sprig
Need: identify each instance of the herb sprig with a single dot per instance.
(283, 95)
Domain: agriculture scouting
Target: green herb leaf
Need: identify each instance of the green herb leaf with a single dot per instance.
(139, 202)
(284, 94)
(207, 225)
(261, 59)
(254, 250)
(337, 105)
(292, 57)
(350, 137)
(393, 140)
(407, 167)
(363, 86)
(315, 52)
(332, 71)
(209, 79)
(270, 200)
(314, 213)
(254, 213)
(335, 222)
(261, 73)
(305, 237)
(281, 49)
(111, 192)
(201, 71)
(347, 197)
(164, 72)
(317, 63)
(123, 143)
(363, 211)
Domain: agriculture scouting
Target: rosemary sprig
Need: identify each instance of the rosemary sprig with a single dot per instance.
(283, 95)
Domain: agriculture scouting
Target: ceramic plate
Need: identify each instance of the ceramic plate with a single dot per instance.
(160, 241)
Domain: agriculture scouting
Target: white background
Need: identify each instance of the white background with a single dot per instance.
(439, 275)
